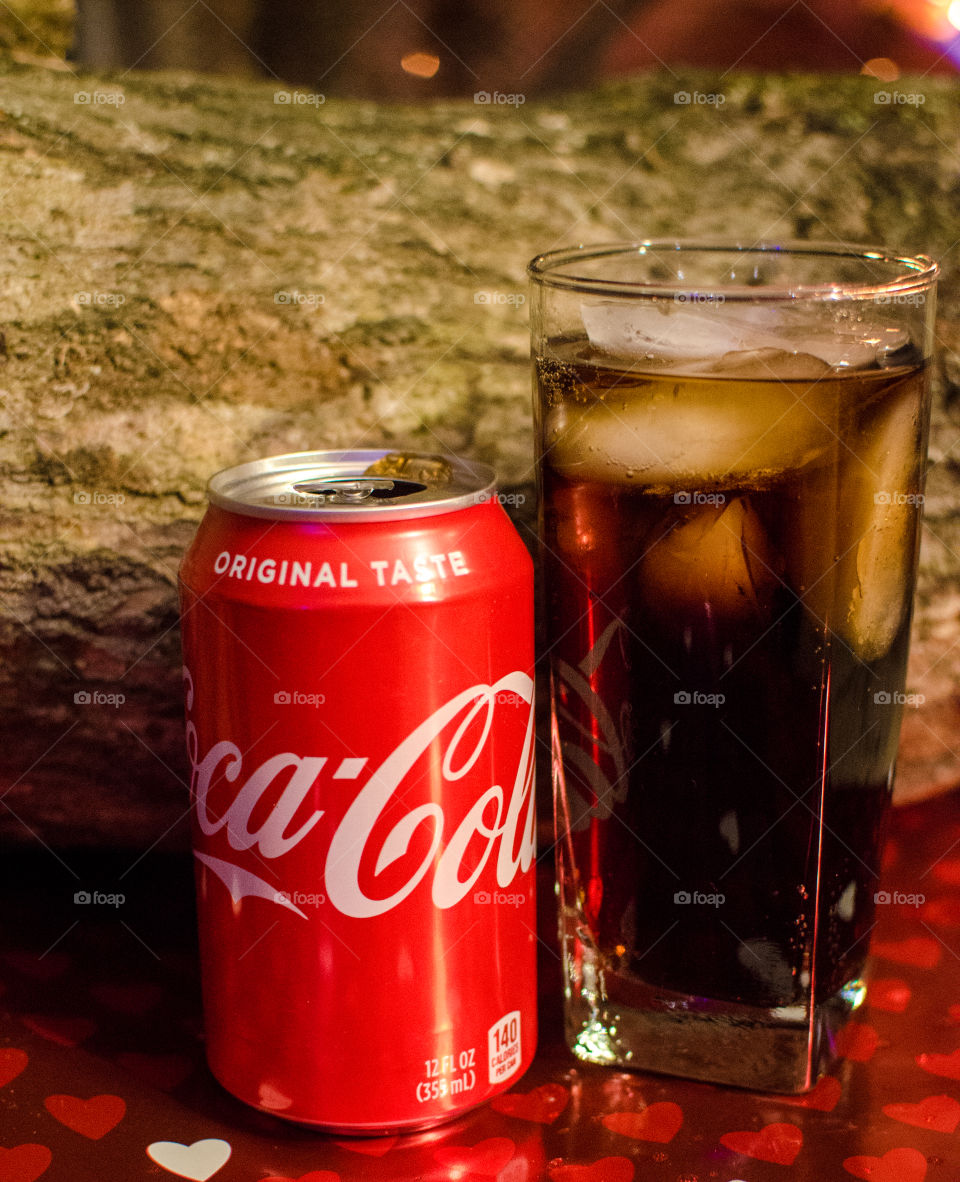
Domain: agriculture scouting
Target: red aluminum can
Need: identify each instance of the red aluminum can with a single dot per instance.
(358, 663)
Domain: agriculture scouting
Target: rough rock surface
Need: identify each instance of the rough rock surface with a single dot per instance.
(198, 272)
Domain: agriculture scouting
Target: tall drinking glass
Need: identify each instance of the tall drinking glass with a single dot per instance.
(731, 446)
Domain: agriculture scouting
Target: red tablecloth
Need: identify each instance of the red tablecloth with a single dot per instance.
(102, 1074)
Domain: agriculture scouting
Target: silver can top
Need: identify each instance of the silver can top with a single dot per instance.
(374, 485)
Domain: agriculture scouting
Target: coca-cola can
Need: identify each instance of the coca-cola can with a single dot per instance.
(358, 664)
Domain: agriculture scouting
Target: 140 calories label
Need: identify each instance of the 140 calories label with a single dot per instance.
(503, 1047)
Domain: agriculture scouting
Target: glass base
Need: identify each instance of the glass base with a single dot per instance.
(770, 1050)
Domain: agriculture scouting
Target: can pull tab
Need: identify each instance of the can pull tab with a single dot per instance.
(351, 490)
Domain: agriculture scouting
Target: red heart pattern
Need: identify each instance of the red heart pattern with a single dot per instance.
(24, 1163)
(93, 1118)
(67, 1032)
(899, 1165)
(372, 1147)
(611, 1108)
(543, 1105)
(889, 994)
(607, 1169)
(919, 951)
(857, 1041)
(824, 1097)
(12, 1062)
(946, 1065)
(313, 1176)
(947, 871)
(776, 1143)
(659, 1122)
(944, 913)
(939, 1113)
(40, 968)
(486, 1157)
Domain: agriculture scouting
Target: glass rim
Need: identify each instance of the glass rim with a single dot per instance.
(918, 272)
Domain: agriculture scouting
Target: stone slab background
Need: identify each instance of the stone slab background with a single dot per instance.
(196, 272)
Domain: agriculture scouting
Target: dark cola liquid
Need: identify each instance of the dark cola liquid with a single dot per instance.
(728, 614)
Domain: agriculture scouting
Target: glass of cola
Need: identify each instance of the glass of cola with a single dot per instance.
(731, 447)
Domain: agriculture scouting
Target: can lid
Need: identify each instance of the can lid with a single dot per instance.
(375, 485)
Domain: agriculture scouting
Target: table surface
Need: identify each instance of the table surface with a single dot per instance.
(101, 1058)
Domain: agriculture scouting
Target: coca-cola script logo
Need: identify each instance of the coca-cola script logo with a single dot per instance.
(510, 834)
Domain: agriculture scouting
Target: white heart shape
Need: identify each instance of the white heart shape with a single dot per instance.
(198, 1161)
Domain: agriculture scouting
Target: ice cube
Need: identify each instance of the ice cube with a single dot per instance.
(685, 329)
(674, 331)
(715, 562)
(881, 489)
(858, 347)
(694, 433)
(849, 548)
(768, 365)
(813, 547)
